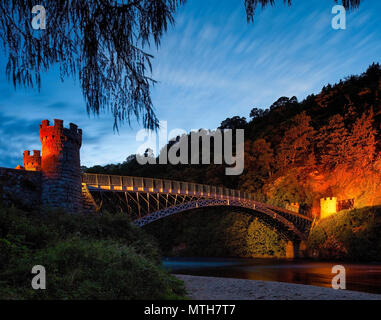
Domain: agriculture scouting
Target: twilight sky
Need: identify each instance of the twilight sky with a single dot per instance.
(211, 65)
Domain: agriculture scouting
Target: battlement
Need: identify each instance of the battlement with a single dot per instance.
(293, 206)
(32, 162)
(58, 133)
(328, 199)
(328, 206)
(36, 153)
(59, 165)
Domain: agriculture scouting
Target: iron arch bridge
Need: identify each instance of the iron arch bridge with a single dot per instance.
(147, 200)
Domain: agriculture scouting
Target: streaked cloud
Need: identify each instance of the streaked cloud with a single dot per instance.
(211, 65)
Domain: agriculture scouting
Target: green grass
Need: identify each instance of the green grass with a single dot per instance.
(349, 235)
(85, 257)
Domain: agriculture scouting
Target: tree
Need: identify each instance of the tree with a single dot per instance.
(374, 71)
(332, 141)
(281, 102)
(251, 5)
(259, 157)
(256, 113)
(284, 102)
(99, 42)
(362, 141)
(234, 123)
(295, 147)
(130, 158)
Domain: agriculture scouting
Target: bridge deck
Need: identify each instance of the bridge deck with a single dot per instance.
(115, 183)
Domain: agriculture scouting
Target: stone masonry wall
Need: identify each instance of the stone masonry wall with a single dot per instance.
(61, 171)
(20, 188)
(51, 179)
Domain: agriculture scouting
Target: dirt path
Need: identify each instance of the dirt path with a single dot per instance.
(210, 288)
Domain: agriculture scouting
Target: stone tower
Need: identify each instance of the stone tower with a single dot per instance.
(60, 166)
(328, 207)
(32, 162)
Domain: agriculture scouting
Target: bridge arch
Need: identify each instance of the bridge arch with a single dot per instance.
(287, 228)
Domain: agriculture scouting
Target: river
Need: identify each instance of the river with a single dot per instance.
(359, 276)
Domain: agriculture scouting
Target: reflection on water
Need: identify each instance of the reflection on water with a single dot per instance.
(360, 277)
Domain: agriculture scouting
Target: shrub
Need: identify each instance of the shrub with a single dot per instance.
(85, 257)
(234, 234)
(353, 235)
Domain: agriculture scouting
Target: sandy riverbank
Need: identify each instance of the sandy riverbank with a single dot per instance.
(210, 288)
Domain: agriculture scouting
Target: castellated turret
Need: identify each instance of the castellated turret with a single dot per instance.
(328, 207)
(32, 162)
(60, 166)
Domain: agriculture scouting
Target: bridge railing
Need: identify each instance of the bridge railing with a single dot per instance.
(160, 185)
(126, 183)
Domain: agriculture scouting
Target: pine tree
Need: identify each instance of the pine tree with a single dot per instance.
(362, 141)
(259, 158)
(295, 147)
(332, 143)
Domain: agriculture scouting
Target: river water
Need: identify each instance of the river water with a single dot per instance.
(359, 277)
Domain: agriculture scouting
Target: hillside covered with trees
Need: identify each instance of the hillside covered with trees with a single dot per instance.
(326, 145)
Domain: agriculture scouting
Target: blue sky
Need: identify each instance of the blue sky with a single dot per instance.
(210, 65)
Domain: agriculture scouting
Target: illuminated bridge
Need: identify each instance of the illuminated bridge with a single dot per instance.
(147, 200)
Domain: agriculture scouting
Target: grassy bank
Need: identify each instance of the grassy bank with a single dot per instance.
(349, 235)
(85, 257)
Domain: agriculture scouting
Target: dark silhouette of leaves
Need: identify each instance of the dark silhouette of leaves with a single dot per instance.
(251, 5)
(101, 43)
